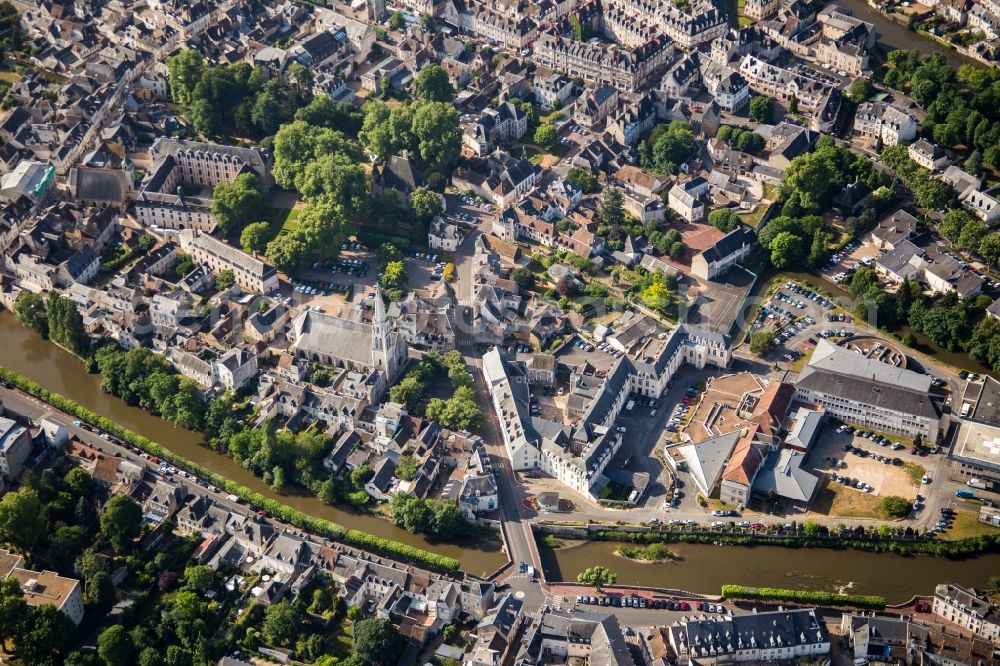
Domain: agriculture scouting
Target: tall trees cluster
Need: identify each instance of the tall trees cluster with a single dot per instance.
(236, 98)
(54, 317)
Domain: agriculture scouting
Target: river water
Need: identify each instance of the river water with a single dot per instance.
(702, 569)
(705, 569)
(24, 352)
(892, 35)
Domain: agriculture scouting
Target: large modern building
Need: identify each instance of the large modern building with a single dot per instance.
(857, 389)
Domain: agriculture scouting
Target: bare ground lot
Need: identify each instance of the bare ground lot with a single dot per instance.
(833, 499)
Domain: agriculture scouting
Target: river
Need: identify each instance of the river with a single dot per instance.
(57, 370)
(705, 569)
(892, 35)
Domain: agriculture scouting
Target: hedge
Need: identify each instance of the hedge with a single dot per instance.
(807, 597)
(956, 549)
(356, 538)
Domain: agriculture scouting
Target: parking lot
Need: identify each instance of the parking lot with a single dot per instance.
(792, 313)
(842, 265)
(862, 462)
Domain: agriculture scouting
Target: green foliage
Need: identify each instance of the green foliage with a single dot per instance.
(236, 203)
(407, 468)
(860, 90)
(29, 309)
(598, 576)
(761, 109)
(225, 279)
(322, 111)
(741, 139)
(432, 84)
(282, 623)
(929, 192)
(761, 341)
(805, 597)
(115, 646)
(582, 179)
(255, 237)
(65, 324)
(21, 521)
(894, 506)
(425, 204)
(355, 538)
(378, 641)
(667, 147)
(439, 517)
(546, 136)
(237, 97)
(121, 522)
(724, 219)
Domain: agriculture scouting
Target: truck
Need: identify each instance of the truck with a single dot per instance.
(976, 483)
(964, 494)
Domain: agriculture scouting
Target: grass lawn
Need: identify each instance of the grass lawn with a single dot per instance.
(915, 472)
(283, 219)
(10, 77)
(752, 218)
(967, 525)
(745, 21)
(838, 501)
(801, 361)
(341, 642)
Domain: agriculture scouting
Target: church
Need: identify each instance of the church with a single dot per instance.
(351, 343)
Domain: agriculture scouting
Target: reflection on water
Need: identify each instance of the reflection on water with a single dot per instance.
(705, 569)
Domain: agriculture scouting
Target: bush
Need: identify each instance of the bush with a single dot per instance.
(355, 538)
(894, 506)
(806, 597)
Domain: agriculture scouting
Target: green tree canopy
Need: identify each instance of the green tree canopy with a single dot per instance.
(432, 84)
(236, 203)
(121, 522)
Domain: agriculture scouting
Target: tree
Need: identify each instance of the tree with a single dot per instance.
(396, 21)
(287, 252)
(724, 219)
(439, 139)
(894, 506)
(598, 576)
(21, 520)
(585, 181)
(760, 109)
(14, 609)
(425, 204)
(378, 640)
(121, 522)
(115, 646)
(199, 578)
(255, 237)
(972, 234)
(225, 279)
(282, 623)
(761, 341)
(407, 468)
(989, 249)
(48, 636)
(65, 324)
(669, 146)
(953, 222)
(612, 209)
(235, 203)
(546, 136)
(394, 274)
(786, 250)
(99, 592)
(449, 273)
(147, 242)
(29, 309)
(860, 90)
(184, 71)
(793, 104)
(432, 84)
(523, 278)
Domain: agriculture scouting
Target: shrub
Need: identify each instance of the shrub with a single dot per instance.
(807, 597)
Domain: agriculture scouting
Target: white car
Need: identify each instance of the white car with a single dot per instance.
(926, 479)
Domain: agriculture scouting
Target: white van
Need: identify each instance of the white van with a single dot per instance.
(629, 405)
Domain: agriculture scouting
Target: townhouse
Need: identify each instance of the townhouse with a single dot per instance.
(883, 122)
(759, 637)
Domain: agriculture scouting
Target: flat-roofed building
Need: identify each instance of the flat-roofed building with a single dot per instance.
(44, 587)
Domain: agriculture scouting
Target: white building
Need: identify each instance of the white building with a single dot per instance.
(927, 155)
(15, 446)
(877, 120)
(868, 392)
(769, 636)
(251, 273)
(968, 610)
(444, 236)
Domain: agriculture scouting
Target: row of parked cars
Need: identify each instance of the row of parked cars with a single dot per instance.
(635, 601)
(682, 409)
(809, 294)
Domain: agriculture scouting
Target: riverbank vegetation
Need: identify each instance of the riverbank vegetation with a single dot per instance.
(654, 552)
(54, 318)
(805, 597)
(881, 539)
(284, 512)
